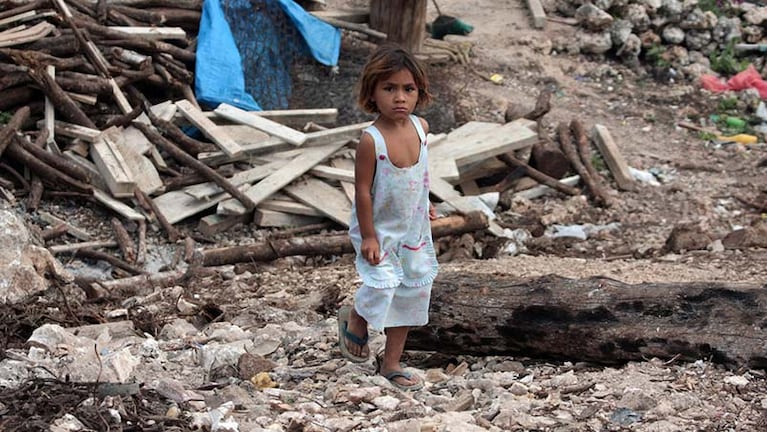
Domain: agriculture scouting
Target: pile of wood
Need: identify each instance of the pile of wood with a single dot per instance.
(82, 81)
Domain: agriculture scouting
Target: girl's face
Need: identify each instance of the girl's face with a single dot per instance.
(396, 95)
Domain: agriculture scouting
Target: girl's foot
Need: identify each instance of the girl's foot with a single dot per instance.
(403, 380)
(352, 335)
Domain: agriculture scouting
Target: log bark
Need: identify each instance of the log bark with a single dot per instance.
(8, 132)
(46, 172)
(124, 241)
(597, 320)
(537, 176)
(582, 140)
(547, 157)
(327, 245)
(566, 142)
(404, 21)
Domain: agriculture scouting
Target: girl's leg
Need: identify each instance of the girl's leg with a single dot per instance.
(358, 327)
(395, 345)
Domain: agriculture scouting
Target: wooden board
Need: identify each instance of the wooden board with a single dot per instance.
(204, 191)
(216, 134)
(347, 164)
(271, 127)
(276, 144)
(300, 165)
(71, 130)
(333, 173)
(215, 223)
(537, 13)
(291, 206)
(484, 145)
(277, 219)
(153, 33)
(110, 162)
(613, 158)
(117, 206)
(322, 196)
(178, 205)
(294, 118)
(144, 173)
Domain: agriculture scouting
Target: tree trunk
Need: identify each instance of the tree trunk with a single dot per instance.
(598, 319)
(404, 21)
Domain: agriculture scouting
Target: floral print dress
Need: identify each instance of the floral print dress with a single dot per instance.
(396, 292)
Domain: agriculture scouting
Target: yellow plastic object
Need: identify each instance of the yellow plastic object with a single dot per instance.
(739, 138)
(496, 78)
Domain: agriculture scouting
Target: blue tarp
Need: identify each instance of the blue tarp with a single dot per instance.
(245, 50)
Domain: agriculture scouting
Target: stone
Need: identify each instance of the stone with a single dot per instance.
(386, 403)
(250, 365)
(594, 43)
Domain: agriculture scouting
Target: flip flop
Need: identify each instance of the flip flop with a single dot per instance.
(391, 376)
(344, 333)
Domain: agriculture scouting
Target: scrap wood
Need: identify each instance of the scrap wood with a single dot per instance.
(613, 158)
(185, 159)
(150, 206)
(282, 177)
(38, 31)
(327, 244)
(539, 176)
(271, 127)
(8, 131)
(75, 232)
(46, 172)
(73, 247)
(566, 142)
(124, 241)
(584, 150)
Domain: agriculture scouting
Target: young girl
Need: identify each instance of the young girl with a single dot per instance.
(390, 227)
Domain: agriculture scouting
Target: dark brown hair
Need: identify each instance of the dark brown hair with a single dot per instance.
(386, 60)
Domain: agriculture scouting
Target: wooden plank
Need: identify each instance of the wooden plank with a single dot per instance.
(537, 12)
(209, 129)
(322, 196)
(117, 206)
(292, 207)
(143, 171)
(300, 165)
(153, 33)
(443, 190)
(271, 145)
(276, 219)
(358, 16)
(178, 205)
(613, 158)
(72, 230)
(50, 117)
(244, 134)
(275, 144)
(74, 131)
(271, 127)
(541, 190)
(333, 173)
(206, 190)
(215, 223)
(110, 162)
(347, 164)
(72, 247)
(509, 137)
(293, 118)
(83, 98)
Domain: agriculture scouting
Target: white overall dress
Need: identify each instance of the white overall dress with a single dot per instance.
(396, 292)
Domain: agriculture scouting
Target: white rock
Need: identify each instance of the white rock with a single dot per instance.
(386, 403)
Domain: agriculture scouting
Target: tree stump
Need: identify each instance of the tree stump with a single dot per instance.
(598, 320)
(404, 21)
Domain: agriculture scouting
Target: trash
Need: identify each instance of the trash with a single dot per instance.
(446, 25)
(739, 138)
(735, 122)
(581, 232)
(749, 78)
(625, 416)
(644, 176)
(496, 78)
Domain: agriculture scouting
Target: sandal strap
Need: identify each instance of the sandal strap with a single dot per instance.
(398, 374)
(361, 341)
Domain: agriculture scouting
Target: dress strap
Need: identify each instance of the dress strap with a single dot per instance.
(378, 140)
(419, 128)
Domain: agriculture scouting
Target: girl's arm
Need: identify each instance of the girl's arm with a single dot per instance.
(432, 210)
(364, 171)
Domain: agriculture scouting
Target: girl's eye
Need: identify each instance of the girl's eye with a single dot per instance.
(410, 89)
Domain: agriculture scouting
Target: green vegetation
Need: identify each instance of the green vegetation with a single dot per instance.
(725, 63)
(655, 56)
(5, 117)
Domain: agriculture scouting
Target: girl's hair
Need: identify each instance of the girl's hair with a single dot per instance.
(386, 60)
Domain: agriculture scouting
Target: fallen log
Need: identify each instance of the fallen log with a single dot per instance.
(597, 319)
(536, 175)
(327, 244)
(8, 132)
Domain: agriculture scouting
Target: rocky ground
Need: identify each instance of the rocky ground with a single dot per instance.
(253, 346)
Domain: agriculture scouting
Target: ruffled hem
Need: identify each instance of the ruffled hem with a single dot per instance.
(426, 280)
(382, 284)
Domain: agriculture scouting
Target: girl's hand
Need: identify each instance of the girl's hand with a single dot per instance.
(371, 250)
(432, 212)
